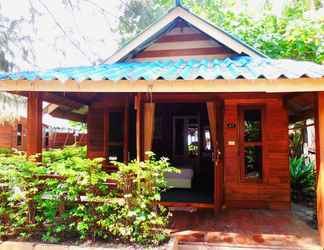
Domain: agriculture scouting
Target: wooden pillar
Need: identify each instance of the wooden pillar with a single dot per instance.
(126, 133)
(138, 108)
(106, 134)
(218, 172)
(149, 110)
(319, 126)
(34, 123)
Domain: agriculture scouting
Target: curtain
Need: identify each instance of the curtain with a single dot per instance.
(212, 116)
(149, 109)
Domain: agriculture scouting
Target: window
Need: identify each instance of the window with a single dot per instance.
(19, 134)
(46, 139)
(251, 142)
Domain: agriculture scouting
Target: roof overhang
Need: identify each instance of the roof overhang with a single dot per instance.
(168, 86)
(164, 23)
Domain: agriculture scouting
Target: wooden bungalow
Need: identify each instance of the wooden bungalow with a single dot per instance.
(14, 135)
(189, 90)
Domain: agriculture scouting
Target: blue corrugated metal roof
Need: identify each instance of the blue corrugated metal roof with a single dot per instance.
(238, 67)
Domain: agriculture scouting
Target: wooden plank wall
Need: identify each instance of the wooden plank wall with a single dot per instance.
(95, 133)
(7, 139)
(8, 134)
(61, 139)
(184, 42)
(274, 190)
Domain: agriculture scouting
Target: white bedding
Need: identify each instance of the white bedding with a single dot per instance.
(180, 180)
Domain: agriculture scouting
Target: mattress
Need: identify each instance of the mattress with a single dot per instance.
(180, 180)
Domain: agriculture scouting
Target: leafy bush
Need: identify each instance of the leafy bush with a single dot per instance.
(6, 151)
(19, 186)
(302, 177)
(69, 195)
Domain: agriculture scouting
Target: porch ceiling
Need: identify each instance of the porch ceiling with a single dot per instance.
(74, 106)
(301, 106)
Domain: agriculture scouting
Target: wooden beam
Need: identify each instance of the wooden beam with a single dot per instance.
(34, 123)
(155, 86)
(62, 100)
(183, 38)
(184, 52)
(319, 126)
(50, 108)
(126, 132)
(186, 204)
(69, 115)
(138, 108)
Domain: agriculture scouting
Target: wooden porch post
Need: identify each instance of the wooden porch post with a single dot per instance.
(106, 134)
(149, 110)
(319, 123)
(218, 173)
(34, 123)
(138, 108)
(126, 133)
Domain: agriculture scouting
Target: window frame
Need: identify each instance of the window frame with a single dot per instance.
(19, 137)
(243, 144)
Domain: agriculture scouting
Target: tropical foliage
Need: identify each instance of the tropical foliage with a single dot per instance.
(70, 196)
(296, 32)
(302, 178)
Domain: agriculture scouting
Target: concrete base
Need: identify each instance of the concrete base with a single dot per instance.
(20, 245)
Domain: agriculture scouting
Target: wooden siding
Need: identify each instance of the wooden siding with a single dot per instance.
(61, 139)
(274, 190)
(8, 134)
(95, 123)
(8, 137)
(184, 42)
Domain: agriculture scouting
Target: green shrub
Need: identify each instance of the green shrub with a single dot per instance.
(19, 183)
(69, 195)
(68, 152)
(302, 177)
(6, 151)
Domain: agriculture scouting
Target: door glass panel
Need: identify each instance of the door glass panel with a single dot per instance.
(252, 125)
(207, 140)
(192, 140)
(253, 161)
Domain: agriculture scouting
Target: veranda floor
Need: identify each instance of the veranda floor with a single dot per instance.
(242, 229)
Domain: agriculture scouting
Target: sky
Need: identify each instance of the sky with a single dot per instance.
(90, 25)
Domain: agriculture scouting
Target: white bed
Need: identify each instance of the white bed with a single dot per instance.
(180, 180)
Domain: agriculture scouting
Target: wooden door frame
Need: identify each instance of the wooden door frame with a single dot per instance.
(216, 196)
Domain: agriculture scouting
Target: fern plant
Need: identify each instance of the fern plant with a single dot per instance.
(302, 177)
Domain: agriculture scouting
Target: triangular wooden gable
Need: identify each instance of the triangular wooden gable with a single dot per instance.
(206, 40)
(183, 41)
